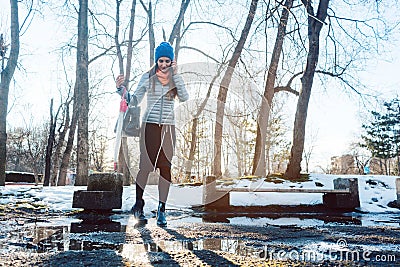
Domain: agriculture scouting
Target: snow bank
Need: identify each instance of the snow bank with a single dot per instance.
(375, 193)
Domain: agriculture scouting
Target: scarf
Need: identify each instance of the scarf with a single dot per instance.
(163, 77)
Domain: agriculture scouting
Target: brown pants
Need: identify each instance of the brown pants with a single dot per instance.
(157, 143)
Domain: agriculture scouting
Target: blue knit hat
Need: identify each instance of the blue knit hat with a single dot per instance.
(164, 50)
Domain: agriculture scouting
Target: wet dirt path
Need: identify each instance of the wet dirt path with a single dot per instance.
(72, 240)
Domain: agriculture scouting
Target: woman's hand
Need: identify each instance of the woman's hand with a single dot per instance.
(174, 67)
(120, 80)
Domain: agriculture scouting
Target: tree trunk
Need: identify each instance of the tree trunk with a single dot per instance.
(223, 89)
(6, 75)
(192, 150)
(123, 162)
(49, 147)
(259, 160)
(314, 29)
(83, 100)
(152, 40)
(268, 154)
(177, 26)
(307, 163)
(71, 135)
(130, 44)
(116, 38)
(124, 141)
(387, 166)
(60, 146)
(239, 152)
(123, 155)
(398, 161)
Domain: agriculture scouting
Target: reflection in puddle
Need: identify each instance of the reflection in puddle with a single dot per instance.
(74, 236)
(92, 245)
(104, 232)
(42, 239)
(234, 246)
(104, 226)
(304, 219)
(39, 239)
(60, 238)
(274, 220)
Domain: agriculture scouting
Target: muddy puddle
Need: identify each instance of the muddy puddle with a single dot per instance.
(121, 233)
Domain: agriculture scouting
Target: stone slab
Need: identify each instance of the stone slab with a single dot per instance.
(339, 201)
(96, 200)
(20, 177)
(106, 182)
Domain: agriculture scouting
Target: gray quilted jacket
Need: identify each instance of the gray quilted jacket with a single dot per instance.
(160, 108)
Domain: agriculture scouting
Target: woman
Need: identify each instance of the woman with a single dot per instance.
(157, 138)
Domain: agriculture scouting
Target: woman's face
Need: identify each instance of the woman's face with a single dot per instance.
(164, 63)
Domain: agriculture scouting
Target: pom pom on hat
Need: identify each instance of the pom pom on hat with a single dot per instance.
(164, 50)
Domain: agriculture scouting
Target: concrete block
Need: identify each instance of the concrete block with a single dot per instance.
(338, 201)
(96, 200)
(343, 201)
(104, 192)
(106, 181)
(20, 177)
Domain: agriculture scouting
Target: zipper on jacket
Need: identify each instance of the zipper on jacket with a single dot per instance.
(162, 104)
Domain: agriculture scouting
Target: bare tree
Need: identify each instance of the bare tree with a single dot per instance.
(82, 84)
(259, 163)
(175, 33)
(16, 150)
(62, 132)
(315, 23)
(123, 157)
(6, 76)
(124, 143)
(223, 89)
(36, 139)
(70, 124)
(70, 142)
(361, 157)
(149, 12)
(26, 148)
(50, 143)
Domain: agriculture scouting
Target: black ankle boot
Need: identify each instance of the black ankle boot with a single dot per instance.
(137, 211)
(161, 216)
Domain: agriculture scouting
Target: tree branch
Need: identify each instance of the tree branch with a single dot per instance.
(211, 23)
(176, 27)
(286, 89)
(201, 52)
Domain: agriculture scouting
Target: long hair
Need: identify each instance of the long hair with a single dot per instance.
(172, 91)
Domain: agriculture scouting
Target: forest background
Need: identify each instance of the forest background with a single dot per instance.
(355, 74)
